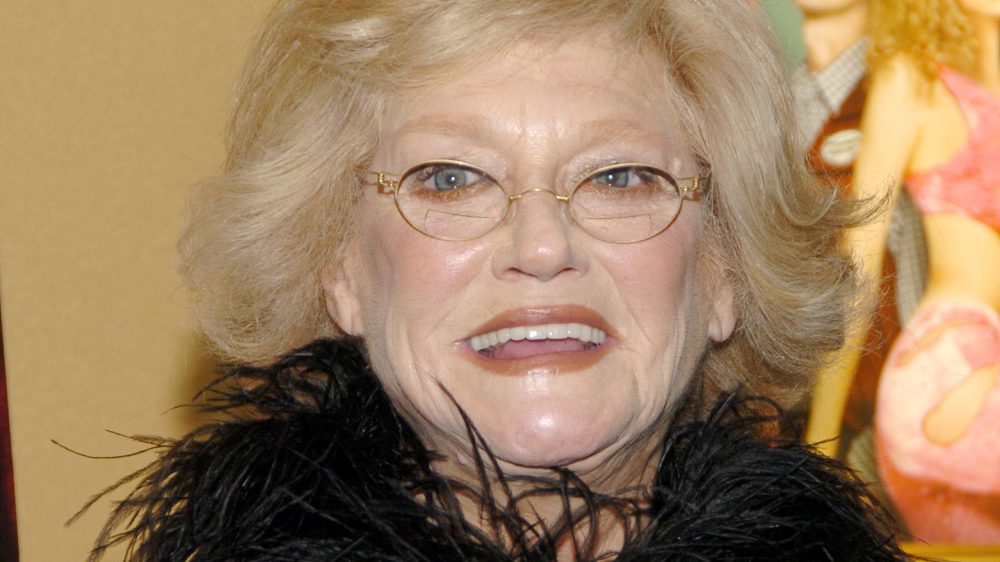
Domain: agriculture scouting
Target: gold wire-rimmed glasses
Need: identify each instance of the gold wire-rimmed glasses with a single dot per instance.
(620, 203)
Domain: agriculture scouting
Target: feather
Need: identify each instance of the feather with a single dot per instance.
(309, 461)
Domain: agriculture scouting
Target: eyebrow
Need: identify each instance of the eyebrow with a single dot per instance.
(465, 125)
(470, 126)
(615, 130)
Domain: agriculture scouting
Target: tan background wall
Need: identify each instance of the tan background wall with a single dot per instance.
(109, 112)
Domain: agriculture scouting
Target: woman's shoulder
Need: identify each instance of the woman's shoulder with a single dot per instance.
(903, 76)
(898, 104)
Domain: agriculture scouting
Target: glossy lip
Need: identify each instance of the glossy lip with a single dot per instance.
(550, 362)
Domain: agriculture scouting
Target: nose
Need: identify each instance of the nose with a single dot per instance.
(538, 240)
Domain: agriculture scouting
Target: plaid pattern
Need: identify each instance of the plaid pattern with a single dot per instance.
(909, 252)
(817, 97)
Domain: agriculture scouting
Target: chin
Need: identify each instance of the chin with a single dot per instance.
(540, 456)
(544, 443)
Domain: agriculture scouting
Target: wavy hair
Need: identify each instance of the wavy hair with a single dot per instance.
(930, 32)
(307, 115)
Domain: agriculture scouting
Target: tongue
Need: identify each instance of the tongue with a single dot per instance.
(529, 348)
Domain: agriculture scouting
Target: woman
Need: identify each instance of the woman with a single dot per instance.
(536, 246)
(933, 118)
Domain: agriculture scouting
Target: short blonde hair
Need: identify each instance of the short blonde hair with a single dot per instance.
(929, 32)
(308, 114)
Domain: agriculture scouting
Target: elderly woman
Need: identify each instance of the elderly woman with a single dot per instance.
(525, 252)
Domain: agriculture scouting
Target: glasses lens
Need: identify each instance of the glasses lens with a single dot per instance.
(450, 200)
(626, 203)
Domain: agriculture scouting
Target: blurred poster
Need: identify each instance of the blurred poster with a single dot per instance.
(919, 419)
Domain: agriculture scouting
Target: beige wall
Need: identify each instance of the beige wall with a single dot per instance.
(109, 112)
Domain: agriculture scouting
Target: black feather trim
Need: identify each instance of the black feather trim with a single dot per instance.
(312, 463)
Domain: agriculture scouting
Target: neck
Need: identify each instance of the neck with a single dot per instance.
(986, 29)
(542, 512)
(826, 34)
(543, 499)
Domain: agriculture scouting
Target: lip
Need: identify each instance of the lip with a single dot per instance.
(531, 316)
(551, 362)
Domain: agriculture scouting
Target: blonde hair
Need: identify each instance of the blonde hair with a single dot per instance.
(929, 32)
(308, 115)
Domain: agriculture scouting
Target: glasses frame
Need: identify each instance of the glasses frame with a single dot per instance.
(688, 188)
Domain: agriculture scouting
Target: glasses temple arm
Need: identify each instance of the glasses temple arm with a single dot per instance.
(385, 185)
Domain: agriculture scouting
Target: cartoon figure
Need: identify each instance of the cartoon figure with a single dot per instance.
(830, 91)
(932, 118)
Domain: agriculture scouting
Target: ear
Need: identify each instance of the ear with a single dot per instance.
(722, 320)
(340, 290)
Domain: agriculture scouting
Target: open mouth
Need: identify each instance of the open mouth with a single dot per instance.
(519, 342)
(553, 339)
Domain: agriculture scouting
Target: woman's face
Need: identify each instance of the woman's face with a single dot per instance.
(534, 120)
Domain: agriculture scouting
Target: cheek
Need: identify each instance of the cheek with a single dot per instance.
(659, 287)
(408, 272)
(415, 289)
(423, 280)
(660, 283)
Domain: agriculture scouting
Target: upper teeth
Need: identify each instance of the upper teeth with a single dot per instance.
(580, 332)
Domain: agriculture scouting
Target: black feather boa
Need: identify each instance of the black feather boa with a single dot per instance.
(312, 463)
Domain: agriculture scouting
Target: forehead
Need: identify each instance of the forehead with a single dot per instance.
(587, 88)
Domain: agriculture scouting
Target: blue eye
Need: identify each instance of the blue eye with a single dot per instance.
(446, 179)
(619, 177)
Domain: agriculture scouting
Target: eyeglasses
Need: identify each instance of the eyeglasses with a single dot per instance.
(620, 203)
